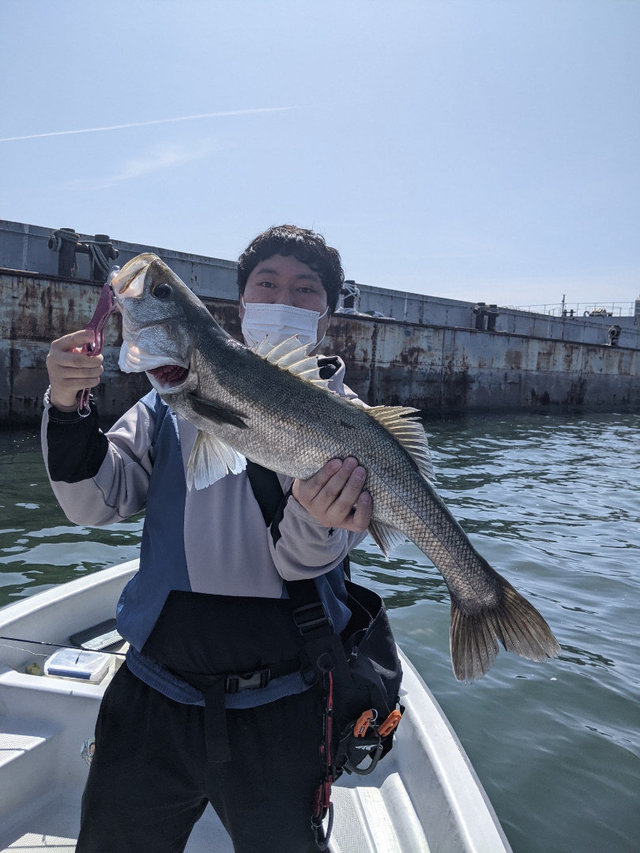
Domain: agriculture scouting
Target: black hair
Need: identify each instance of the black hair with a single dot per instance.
(305, 246)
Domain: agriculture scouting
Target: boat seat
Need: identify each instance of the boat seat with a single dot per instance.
(33, 841)
(19, 738)
(26, 747)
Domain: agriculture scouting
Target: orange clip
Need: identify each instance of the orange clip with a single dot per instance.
(390, 723)
(363, 722)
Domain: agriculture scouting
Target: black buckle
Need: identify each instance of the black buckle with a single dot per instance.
(249, 681)
(310, 616)
(361, 748)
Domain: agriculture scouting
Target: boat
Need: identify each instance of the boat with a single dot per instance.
(424, 796)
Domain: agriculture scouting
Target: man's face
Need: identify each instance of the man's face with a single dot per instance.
(284, 280)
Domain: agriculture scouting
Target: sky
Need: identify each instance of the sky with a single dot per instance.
(471, 149)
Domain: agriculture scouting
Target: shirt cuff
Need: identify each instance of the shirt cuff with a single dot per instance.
(58, 416)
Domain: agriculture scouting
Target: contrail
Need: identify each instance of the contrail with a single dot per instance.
(148, 123)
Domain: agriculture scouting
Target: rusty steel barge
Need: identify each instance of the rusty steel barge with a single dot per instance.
(439, 355)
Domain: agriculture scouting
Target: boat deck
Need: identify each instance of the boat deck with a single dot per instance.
(423, 797)
(52, 826)
(366, 816)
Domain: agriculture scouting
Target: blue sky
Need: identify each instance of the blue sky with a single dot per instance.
(475, 149)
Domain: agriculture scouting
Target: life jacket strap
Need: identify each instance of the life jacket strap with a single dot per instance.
(215, 723)
(322, 805)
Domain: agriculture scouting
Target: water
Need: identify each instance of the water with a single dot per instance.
(553, 502)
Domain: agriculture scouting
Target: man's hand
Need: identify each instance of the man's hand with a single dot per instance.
(335, 496)
(70, 370)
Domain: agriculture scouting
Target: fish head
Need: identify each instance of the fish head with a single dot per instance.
(158, 317)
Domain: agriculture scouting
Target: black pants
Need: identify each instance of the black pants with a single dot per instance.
(150, 781)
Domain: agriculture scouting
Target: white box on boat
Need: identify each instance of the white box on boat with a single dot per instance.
(77, 664)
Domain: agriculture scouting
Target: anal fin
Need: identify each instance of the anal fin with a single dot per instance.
(385, 537)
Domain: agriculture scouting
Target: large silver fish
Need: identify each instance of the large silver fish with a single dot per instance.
(271, 406)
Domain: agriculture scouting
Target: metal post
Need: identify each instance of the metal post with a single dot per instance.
(64, 241)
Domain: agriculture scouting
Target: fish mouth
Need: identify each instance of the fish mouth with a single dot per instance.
(169, 375)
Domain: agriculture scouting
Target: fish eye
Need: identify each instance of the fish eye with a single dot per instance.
(162, 290)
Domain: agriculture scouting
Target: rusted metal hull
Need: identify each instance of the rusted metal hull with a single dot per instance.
(439, 369)
(435, 368)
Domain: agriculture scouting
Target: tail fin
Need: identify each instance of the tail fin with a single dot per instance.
(512, 621)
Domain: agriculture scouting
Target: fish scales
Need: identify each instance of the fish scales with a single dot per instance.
(271, 407)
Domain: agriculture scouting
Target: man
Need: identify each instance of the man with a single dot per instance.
(172, 734)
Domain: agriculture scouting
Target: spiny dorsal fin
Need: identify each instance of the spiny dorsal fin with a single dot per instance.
(402, 423)
(292, 356)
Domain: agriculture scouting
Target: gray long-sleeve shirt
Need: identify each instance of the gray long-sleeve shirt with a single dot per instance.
(228, 549)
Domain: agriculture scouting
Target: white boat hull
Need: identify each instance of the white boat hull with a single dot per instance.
(424, 796)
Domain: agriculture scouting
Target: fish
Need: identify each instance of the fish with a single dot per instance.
(270, 405)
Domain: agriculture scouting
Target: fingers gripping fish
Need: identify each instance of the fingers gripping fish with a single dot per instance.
(271, 406)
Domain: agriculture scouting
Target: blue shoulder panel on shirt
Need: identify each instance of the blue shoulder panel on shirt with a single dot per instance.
(163, 564)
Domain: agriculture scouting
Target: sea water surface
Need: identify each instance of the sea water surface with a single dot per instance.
(553, 502)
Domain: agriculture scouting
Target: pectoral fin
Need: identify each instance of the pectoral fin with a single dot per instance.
(210, 460)
(217, 412)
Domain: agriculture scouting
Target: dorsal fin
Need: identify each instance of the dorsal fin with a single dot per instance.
(292, 356)
(400, 421)
(406, 427)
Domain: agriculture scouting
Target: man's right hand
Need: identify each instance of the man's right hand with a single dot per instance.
(70, 370)
(335, 495)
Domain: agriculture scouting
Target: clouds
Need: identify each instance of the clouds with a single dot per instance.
(161, 158)
(459, 149)
(157, 158)
(174, 120)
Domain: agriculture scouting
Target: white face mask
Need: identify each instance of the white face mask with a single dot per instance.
(278, 322)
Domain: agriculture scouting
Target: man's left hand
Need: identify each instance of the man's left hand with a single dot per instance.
(335, 495)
